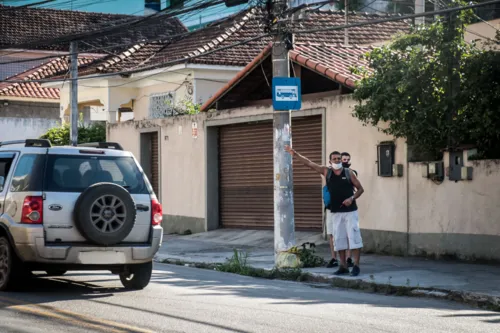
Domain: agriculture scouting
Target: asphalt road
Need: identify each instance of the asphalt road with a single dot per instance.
(182, 299)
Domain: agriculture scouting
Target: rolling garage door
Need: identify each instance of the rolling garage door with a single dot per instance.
(155, 174)
(246, 175)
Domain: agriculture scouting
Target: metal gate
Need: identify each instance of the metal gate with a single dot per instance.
(155, 175)
(246, 175)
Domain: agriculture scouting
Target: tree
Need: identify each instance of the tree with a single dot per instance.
(59, 136)
(433, 89)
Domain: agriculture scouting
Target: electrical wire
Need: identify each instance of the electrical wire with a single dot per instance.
(158, 38)
(8, 8)
(397, 18)
(105, 32)
(156, 66)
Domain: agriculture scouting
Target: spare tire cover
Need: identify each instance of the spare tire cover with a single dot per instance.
(105, 214)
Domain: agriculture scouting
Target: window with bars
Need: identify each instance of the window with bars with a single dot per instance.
(162, 105)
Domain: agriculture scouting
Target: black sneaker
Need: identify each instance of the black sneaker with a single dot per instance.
(332, 263)
(350, 263)
(341, 271)
(355, 271)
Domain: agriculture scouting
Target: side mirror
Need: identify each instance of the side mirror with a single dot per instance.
(2, 183)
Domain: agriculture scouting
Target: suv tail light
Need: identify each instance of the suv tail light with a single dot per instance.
(156, 212)
(32, 212)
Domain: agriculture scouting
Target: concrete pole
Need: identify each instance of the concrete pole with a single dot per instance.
(284, 223)
(419, 8)
(73, 67)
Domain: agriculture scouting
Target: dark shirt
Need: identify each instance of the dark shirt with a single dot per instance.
(340, 189)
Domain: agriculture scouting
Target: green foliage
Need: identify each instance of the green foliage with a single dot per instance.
(238, 264)
(433, 89)
(308, 256)
(185, 106)
(59, 136)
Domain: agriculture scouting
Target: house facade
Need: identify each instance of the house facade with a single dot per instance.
(31, 53)
(217, 166)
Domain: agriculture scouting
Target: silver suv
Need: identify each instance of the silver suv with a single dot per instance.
(89, 207)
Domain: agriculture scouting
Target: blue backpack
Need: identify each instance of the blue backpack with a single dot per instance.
(326, 193)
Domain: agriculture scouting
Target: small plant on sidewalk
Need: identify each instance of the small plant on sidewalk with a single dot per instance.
(236, 264)
(308, 256)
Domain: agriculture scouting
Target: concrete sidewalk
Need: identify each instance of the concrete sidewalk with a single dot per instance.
(480, 282)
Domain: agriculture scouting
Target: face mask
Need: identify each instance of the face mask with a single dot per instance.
(346, 164)
(337, 166)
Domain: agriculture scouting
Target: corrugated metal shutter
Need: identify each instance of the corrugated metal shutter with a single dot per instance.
(307, 138)
(246, 175)
(155, 179)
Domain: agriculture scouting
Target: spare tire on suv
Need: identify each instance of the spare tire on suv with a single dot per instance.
(105, 213)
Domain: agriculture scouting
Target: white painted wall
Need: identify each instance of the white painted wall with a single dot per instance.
(24, 128)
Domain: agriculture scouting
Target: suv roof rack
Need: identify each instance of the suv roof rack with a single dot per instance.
(43, 143)
(102, 145)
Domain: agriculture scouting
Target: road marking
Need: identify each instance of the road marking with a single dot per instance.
(70, 317)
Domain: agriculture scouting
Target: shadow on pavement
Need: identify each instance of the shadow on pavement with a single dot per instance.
(217, 284)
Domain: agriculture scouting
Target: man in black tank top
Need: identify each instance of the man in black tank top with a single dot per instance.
(343, 220)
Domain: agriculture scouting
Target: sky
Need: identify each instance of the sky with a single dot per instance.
(129, 7)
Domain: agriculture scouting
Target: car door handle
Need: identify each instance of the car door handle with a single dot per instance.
(142, 208)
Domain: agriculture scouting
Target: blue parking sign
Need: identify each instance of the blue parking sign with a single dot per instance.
(286, 93)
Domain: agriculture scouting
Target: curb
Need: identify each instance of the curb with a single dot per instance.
(482, 301)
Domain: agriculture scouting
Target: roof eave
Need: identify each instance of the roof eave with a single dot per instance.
(238, 78)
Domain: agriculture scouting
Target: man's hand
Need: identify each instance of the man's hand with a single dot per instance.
(290, 150)
(319, 169)
(347, 202)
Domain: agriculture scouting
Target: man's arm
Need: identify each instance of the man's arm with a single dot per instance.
(359, 188)
(322, 170)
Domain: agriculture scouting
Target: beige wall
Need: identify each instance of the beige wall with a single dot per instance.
(171, 83)
(397, 214)
(383, 205)
(183, 167)
(458, 219)
(481, 32)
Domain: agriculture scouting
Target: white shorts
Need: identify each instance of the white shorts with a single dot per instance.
(345, 230)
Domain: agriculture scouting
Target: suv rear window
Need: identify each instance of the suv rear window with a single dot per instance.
(74, 173)
(28, 176)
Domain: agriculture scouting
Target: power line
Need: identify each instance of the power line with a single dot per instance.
(397, 18)
(352, 25)
(115, 28)
(26, 6)
(172, 62)
(158, 38)
(164, 39)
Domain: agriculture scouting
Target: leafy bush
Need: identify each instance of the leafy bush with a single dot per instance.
(59, 136)
(434, 89)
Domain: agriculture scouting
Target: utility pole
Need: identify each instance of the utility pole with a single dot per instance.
(284, 221)
(73, 68)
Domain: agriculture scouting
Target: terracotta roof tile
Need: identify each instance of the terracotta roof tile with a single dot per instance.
(22, 24)
(30, 89)
(239, 27)
(334, 61)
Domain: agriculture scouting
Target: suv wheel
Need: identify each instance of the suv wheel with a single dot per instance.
(137, 276)
(105, 214)
(5, 264)
(12, 271)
